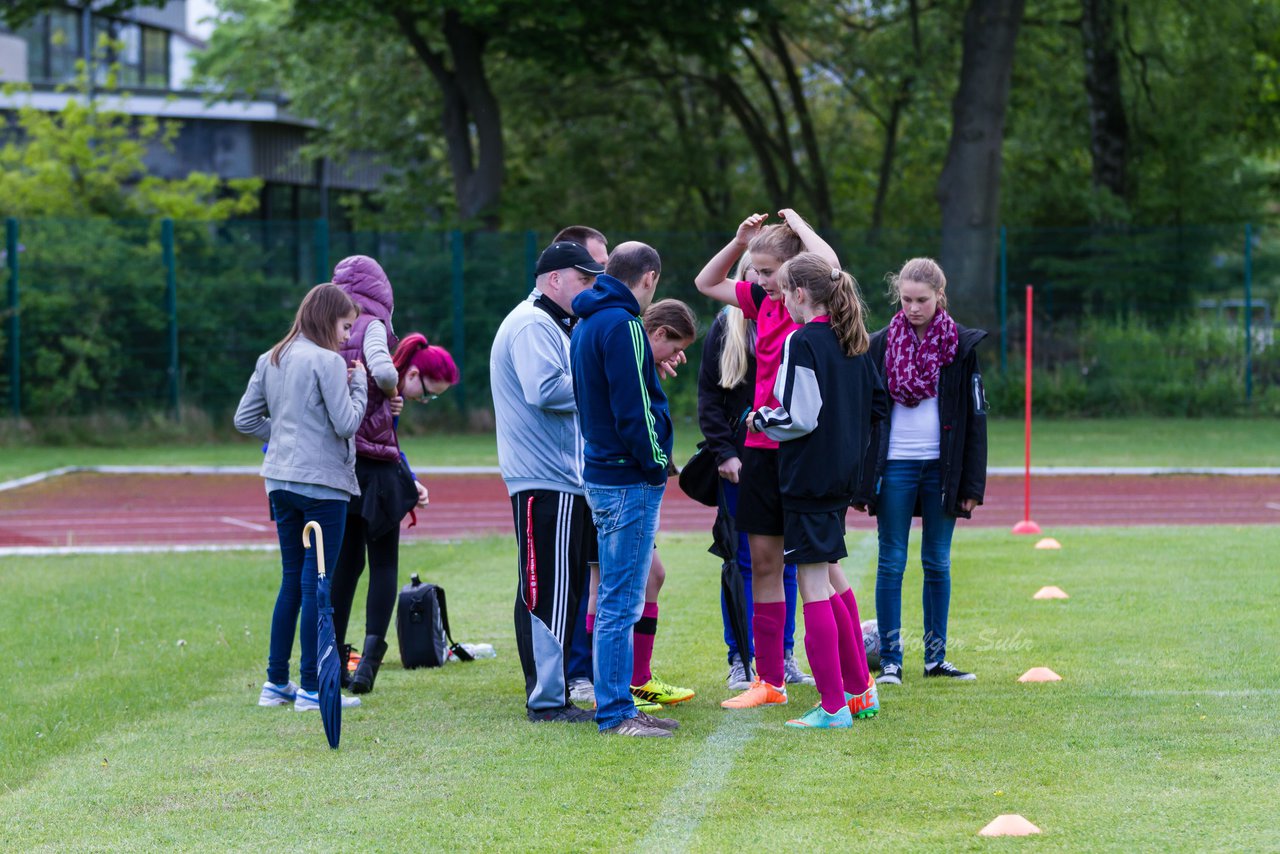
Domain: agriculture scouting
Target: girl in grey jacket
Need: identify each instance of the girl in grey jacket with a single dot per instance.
(306, 403)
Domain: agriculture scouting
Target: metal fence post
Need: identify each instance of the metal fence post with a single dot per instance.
(459, 313)
(320, 244)
(171, 309)
(15, 323)
(531, 257)
(1248, 313)
(1003, 301)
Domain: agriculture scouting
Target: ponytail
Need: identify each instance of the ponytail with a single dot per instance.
(847, 312)
(738, 345)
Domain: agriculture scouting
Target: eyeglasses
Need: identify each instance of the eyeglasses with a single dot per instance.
(425, 399)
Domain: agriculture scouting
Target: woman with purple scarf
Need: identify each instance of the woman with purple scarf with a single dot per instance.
(930, 457)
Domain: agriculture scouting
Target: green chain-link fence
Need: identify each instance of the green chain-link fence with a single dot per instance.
(110, 315)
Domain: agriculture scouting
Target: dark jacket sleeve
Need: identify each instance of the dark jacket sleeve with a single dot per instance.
(714, 416)
(973, 468)
(881, 405)
(627, 364)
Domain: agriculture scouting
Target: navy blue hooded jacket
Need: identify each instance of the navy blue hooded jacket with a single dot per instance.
(626, 423)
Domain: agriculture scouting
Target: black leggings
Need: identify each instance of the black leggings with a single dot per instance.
(384, 569)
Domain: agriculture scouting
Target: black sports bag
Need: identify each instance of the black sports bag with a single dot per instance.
(422, 626)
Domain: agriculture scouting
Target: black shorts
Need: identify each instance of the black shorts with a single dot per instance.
(759, 496)
(813, 537)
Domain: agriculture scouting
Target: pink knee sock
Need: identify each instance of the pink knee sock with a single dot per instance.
(848, 653)
(591, 623)
(820, 644)
(767, 625)
(642, 644)
(859, 649)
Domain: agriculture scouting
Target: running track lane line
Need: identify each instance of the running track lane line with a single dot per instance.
(240, 523)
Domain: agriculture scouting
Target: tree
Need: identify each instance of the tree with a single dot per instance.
(969, 187)
(90, 211)
(1108, 125)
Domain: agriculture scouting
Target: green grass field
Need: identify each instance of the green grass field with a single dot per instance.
(1074, 442)
(129, 719)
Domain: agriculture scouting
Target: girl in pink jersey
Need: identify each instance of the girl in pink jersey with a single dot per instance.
(760, 501)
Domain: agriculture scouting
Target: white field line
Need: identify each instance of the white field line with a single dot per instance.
(860, 566)
(44, 551)
(252, 526)
(994, 471)
(1271, 505)
(683, 809)
(1206, 692)
(1114, 471)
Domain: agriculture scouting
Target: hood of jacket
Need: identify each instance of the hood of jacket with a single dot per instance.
(606, 293)
(365, 282)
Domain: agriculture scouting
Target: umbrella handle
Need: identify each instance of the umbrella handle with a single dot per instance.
(319, 540)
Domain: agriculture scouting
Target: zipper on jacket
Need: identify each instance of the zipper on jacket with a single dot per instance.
(979, 401)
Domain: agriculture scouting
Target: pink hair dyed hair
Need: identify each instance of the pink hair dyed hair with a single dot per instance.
(432, 361)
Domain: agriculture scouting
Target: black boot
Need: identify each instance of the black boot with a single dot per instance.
(370, 660)
(344, 673)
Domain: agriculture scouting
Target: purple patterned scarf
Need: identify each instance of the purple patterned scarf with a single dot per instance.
(912, 365)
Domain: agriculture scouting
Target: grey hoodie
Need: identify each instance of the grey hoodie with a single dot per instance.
(307, 410)
(539, 442)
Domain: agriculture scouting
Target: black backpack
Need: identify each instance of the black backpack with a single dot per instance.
(422, 626)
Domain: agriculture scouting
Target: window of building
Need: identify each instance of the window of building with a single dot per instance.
(63, 40)
(155, 58)
(54, 45)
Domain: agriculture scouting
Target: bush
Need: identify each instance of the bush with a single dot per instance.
(1128, 368)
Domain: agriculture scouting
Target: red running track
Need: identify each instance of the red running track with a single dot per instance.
(85, 509)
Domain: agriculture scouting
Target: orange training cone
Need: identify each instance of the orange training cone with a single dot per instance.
(1009, 825)
(1051, 593)
(1039, 674)
(1048, 543)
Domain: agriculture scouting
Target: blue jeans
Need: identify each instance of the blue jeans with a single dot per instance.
(579, 652)
(789, 585)
(626, 518)
(298, 580)
(903, 482)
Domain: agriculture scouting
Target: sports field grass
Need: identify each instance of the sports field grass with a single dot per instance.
(1068, 442)
(128, 720)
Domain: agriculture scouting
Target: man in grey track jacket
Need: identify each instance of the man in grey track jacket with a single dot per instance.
(540, 456)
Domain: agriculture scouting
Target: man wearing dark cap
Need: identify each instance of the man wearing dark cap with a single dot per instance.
(540, 456)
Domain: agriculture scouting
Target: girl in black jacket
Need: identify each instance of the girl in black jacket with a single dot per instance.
(829, 394)
(726, 380)
(930, 457)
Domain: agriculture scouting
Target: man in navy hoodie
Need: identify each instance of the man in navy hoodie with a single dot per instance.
(626, 425)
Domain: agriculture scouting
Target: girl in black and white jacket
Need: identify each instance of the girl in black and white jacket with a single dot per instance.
(829, 395)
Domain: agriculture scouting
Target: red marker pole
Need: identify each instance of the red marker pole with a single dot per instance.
(1026, 526)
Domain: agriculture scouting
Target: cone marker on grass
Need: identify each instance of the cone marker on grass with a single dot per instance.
(1039, 674)
(1048, 543)
(1051, 592)
(1009, 825)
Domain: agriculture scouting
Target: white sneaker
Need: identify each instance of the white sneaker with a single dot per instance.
(582, 691)
(738, 679)
(794, 675)
(277, 695)
(309, 701)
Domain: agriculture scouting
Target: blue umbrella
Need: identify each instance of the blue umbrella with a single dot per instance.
(327, 656)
